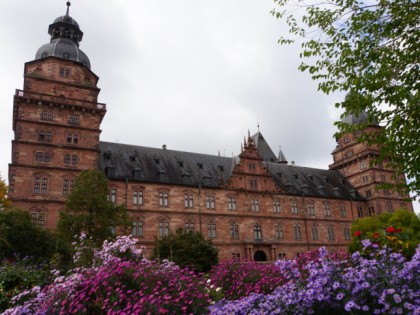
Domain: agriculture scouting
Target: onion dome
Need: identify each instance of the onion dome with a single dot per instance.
(65, 37)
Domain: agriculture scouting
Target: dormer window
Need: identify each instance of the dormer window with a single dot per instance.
(200, 165)
(163, 176)
(180, 163)
(110, 171)
(132, 158)
(186, 178)
(157, 161)
(137, 173)
(107, 155)
(207, 180)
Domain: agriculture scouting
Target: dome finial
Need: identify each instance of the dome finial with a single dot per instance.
(68, 7)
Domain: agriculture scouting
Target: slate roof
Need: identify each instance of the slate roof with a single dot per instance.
(263, 148)
(160, 165)
(123, 161)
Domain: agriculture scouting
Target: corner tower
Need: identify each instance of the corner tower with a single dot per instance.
(56, 124)
(354, 160)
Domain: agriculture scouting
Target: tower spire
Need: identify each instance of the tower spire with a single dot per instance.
(68, 7)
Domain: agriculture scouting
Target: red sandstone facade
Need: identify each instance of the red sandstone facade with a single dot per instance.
(253, 211)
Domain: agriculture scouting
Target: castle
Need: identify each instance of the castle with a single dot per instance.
(255, 205)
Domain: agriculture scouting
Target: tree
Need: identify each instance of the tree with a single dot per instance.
(369, 49)
(399, 230)
(187, 249)
(19, 236)
(88, 210)
(4, 202)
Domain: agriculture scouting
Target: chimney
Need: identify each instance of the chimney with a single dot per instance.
(164, 147)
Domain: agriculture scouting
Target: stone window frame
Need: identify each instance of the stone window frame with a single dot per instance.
(310, 207)
(314, 232)
(188, 199)
(138, 195)
(279, 231)
(163, 198)
(138, 226)
(276, 205)
(233, 229)
(330, 233)
(210, 201)
(41, 183)
(232, 202)
(294, 209)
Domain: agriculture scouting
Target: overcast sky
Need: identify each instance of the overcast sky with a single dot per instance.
(194, 75)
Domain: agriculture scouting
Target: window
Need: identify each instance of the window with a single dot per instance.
(38, 218)
(137, 228)
(41, 186)
(294, 208)
(297, 233)
(386, 192)
(188, 200)
(363, 165)
(276, 206)
(234, 231)
(346, 233)
(257, 233)
(311, 209)
(371, 211)
(365, 178)
(346, 139)
(138, 197)
(279, 232)
(349, 153)
(44, 136)
(253, 183)
(189, 226)
(65, 72)
(210, 202)
(330, 233)
(255, 205)
(389, 207)
(343, 211)
(74, 159)
(73, 120)
(327, 209)
(236, 256)
(43, 157)
(113, 197)
(232, 203)
(383, 177)
(360, 211)
(281, 255)
(68, 185)
(163, 229)
(252, 166)
(163, 199)
(314, 233)
(211, 230)
(47, 115)
(72, 138)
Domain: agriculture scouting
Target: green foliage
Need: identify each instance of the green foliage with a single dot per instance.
(89, 211)
(369, 49)
(399, 230)
(187, 249)
(19, 236)
(19, 275)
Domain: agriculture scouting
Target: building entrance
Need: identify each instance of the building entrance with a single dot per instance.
(260, 256)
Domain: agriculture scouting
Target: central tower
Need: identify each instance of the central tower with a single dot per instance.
(56, 124)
